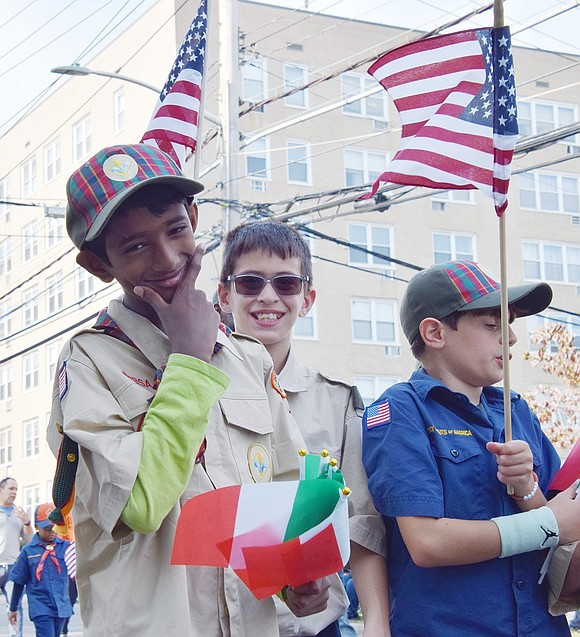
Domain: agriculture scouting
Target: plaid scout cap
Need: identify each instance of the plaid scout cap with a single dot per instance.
(102, 183)
(458, 286)
(41, 515)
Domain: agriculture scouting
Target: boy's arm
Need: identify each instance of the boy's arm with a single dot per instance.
(369, 572)
(434, 542)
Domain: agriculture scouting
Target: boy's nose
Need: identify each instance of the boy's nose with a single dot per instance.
(268, 293)
(166, 258)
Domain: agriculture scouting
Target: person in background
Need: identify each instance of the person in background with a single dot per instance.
(266, 284)
(42, 569)
(15, 527)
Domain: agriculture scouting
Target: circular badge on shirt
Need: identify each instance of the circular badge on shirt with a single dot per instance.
(120, 167)
(259, 463)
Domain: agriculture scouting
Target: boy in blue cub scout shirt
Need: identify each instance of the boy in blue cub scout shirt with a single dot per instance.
(460, 561)
(42, 569)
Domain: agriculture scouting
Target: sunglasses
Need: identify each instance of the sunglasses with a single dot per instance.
(283, 284)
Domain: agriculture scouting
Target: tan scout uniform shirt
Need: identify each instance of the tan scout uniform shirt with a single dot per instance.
(557, 571)
(126, 583)
(328, 419)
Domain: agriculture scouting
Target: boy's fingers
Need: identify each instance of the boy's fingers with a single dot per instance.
(149, 295)
(194, 267)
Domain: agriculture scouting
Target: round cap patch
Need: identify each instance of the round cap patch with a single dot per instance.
(120, 167)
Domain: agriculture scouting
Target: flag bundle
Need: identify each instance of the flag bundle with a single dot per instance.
(569, 471)
(457, 101)
(174, 125)
(271, 534)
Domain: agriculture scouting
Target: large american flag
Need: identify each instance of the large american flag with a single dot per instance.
(174, 125)
(457, 101)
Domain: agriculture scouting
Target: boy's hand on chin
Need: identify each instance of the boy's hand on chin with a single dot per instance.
(190, 320)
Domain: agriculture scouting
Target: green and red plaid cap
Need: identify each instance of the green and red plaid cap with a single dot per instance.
(102, 183)
(459, 286)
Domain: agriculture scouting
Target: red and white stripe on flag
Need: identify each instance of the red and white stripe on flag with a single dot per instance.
(174, 125)
(379, 414)
(456, 98)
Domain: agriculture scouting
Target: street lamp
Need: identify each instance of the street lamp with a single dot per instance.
(76, 69)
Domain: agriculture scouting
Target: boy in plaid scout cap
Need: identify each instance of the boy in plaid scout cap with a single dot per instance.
(156, 405)
(438, 468)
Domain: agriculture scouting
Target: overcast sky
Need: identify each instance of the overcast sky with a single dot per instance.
(36, 35)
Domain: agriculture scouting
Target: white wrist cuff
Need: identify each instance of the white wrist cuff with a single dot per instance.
(530, 531)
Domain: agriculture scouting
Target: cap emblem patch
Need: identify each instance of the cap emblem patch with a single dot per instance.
(120, 167)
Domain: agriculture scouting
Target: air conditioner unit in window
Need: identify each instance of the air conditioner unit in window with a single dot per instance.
(380, 124)
(258, 184)
(578, 290)
(575, 220)
(392, 350)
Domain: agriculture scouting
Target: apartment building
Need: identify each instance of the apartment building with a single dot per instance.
(292, 165)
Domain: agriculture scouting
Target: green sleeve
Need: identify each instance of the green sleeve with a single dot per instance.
(173, 430)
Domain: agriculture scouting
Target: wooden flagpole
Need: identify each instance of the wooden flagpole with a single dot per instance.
(498, 22)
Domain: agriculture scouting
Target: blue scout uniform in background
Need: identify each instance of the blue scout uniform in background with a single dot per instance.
(424, 451)
(42, 569)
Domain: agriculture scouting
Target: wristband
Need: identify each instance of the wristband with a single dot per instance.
(532, 493)
(530, 531)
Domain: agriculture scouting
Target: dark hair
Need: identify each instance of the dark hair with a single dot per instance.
(451, 320)
(4, 481)
(272, 237)
(156, 198)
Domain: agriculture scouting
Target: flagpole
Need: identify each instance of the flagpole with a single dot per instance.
(498, 22)
(197, 154)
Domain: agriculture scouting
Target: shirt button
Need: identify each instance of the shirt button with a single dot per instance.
(520, 584)
(454, 453)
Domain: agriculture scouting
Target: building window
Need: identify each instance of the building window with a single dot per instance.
(254, 81)
(373, 238)
(30, 241)
(307, 326)
(52, 354)
(55, 294)
(374, 106)
(4, 198)
(5, 257)
(30, 371)
(5, 446)
(363, 166)
(294, 77)
(52, 161)
(5, 382)
(31, 495)
(449, 246)
(31, 436)
(298, 157)
(456, 196)
(53, 231)
(552, 262)
(30, 306)
(549, 192)
(374, 321)
(82, 138)
(539, 117)
(257, 160)
(5, 320)
(371, 387)
(28, 177)
(85, 284)
(119, 110)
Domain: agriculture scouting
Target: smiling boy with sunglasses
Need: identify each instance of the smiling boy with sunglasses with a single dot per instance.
(266, 284)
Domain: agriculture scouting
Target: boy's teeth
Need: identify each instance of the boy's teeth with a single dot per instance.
(271, 316)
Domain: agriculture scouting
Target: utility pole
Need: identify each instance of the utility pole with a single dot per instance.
(229, 107)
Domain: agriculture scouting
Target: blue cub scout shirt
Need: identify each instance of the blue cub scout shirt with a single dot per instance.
(425, 455)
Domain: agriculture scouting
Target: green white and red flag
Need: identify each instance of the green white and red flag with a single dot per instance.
(271, 534)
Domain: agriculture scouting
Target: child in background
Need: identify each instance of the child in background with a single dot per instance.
(42, 569)
(461, 562)
(266, 284)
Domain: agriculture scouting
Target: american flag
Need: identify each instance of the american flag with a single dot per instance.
(174, 125)
(376, 415)
(457, 101)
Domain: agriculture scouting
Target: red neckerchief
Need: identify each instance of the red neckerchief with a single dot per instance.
(48, 552)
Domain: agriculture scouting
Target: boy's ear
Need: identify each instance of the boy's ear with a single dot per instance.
(432, 333)
(193, 215)
(308, 302)
(223, 293)
(95, 265)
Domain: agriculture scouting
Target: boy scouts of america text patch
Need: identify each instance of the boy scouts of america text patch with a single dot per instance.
(377, 415)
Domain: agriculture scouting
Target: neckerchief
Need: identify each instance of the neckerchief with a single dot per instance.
(48, 552)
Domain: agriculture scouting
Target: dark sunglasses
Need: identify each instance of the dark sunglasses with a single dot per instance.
(283, 284)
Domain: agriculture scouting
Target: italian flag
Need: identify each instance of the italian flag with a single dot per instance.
(271, 534)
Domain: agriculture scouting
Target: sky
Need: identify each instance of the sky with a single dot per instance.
(36, 35)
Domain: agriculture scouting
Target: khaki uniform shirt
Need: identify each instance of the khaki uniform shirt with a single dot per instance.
(329, 414)
(126, 583)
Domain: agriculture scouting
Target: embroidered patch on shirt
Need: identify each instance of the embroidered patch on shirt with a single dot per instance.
(377, 415)
(62, 381)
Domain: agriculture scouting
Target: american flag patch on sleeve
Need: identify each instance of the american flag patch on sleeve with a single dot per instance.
(62, 381)
(377, 415)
